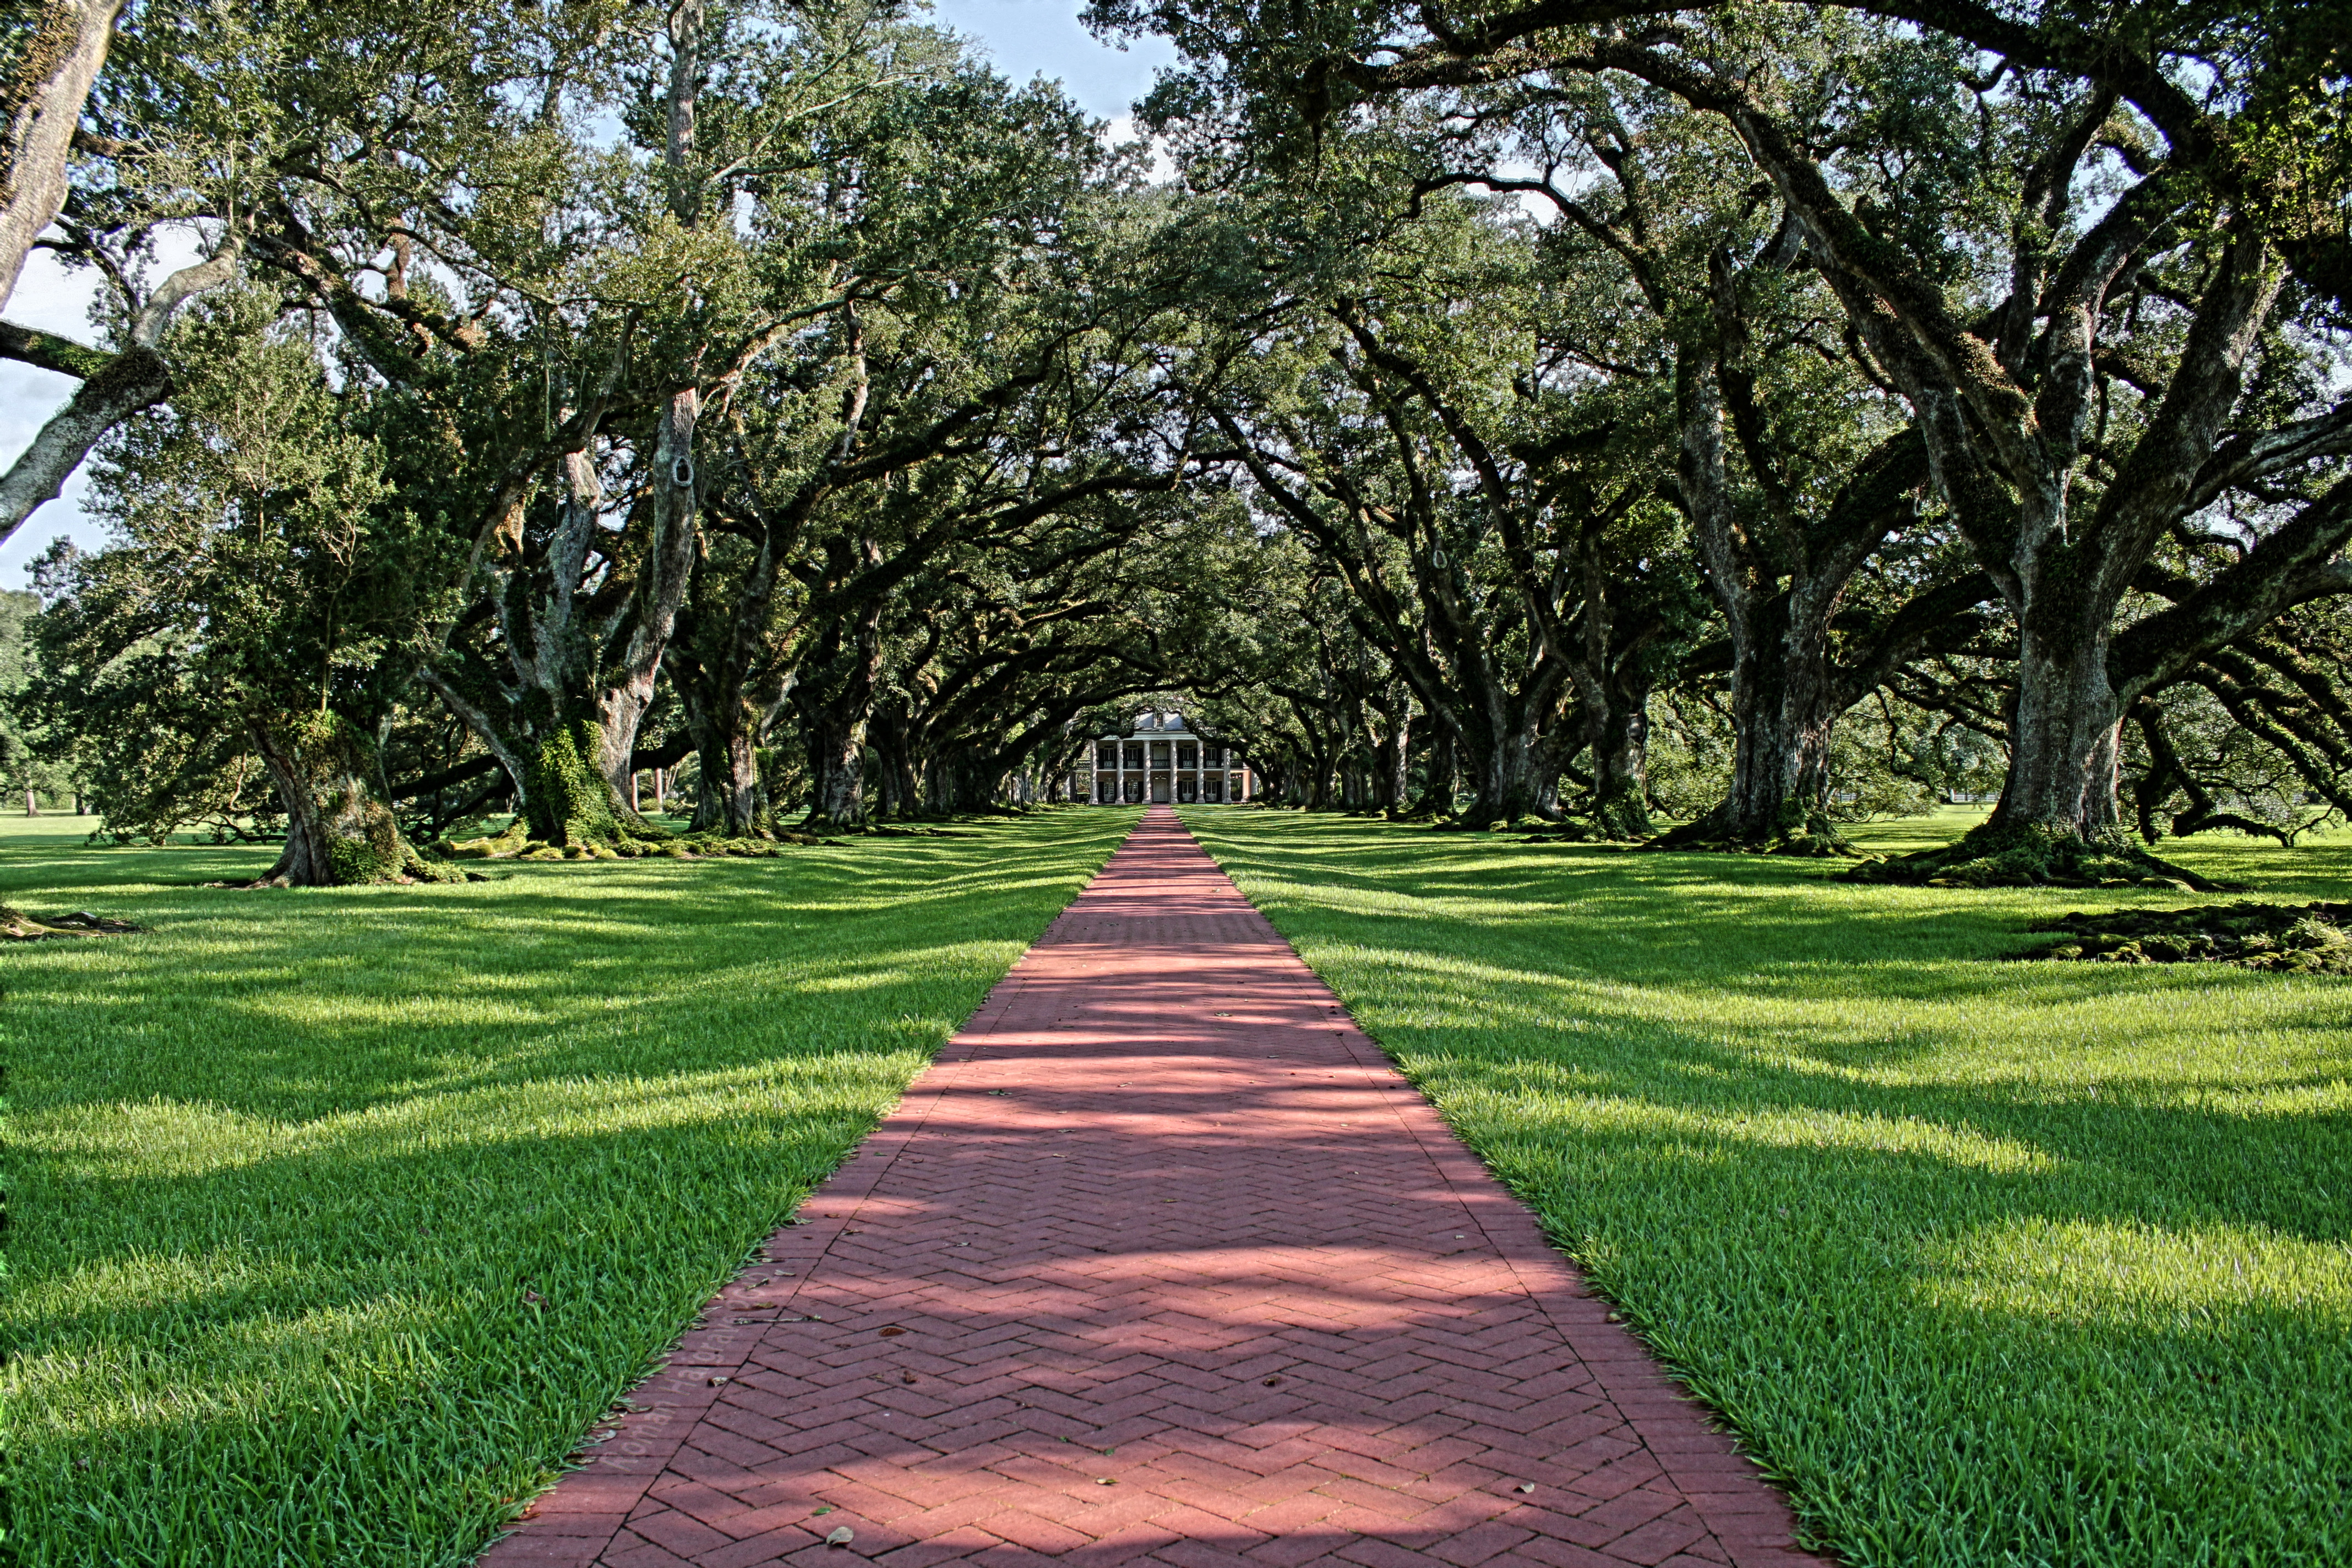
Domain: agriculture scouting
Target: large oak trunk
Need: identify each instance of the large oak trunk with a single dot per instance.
(1784, 709)
(2063, 742)
(836, 697)
(1517, 776)
(564, 720)
(2058, 820)
(836, 773)
(733, 789)
(1780, 588)
(567, 798)
(898, 782)
(1441, 781)
(1621, 766)
(732, 797)
(340, 832)
(1394, 763)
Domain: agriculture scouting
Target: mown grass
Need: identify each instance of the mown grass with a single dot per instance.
(1992, 1263)
(339, 1216)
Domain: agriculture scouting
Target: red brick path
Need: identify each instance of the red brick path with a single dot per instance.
(1161, 1262)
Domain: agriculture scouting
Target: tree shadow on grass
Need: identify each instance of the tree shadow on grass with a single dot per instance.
(326, 1145)
(306, 1003)
(1995, 1262)
(1912, 1344)
(391, 1345)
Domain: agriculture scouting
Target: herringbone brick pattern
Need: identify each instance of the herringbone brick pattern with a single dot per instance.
(1163, 1263)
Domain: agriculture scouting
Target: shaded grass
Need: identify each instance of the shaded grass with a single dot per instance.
(1992, 1263)
(340, 1216)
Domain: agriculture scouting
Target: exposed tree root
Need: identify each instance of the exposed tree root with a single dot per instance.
(1620, 816)
(411, 869)
(516, 844)
(2305, 939)
(1533, 829)
(1527, 824)
(1579, 830)
(503, 845)
(1807, 835)
(2002, 857)
(16, 925)
(1802, 845)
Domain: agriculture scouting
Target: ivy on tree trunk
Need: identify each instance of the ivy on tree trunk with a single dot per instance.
(340, 832)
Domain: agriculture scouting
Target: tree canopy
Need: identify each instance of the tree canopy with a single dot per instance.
(1700, 424)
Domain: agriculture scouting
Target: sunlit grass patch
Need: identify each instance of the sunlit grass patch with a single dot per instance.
(1992, 1263)
(339, 1216)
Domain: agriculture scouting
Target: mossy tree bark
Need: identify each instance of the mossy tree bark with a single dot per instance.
(49, 70)
(1518, 775)
(836, 753)
(564, 714)
(732, 797)
(339, 831)
(899, 777)
(2063, 738)
(569, 800)
(1441, 777)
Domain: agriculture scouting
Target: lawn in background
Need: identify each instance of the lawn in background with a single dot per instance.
(1991, 1263)
(338, 1216)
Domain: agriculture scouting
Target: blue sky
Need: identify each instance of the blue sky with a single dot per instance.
(1026, 38)
(1041, 37)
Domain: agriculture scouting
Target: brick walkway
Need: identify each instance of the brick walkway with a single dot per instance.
(1161, 1262)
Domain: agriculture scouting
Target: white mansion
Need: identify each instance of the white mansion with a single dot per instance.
(1158, 760)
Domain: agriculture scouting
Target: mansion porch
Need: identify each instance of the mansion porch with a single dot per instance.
(1161, 762)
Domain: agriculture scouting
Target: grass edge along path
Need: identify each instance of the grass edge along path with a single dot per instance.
(1988, 1263)
(339, 1217)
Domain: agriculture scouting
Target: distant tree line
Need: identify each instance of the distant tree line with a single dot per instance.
(1735, 419)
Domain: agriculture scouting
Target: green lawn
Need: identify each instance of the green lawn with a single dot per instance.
(337, 1218)
(1992, 1263)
